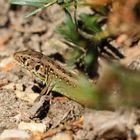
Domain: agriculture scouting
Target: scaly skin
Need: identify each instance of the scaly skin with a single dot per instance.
(54, 75)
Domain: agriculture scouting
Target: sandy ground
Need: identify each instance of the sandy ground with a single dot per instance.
(18, 89)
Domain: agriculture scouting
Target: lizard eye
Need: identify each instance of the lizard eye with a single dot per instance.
(23, 59)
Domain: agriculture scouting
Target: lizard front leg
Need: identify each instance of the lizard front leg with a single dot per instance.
(47, 89)
(42, 102)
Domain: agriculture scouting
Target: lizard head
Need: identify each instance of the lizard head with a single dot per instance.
(31, 60)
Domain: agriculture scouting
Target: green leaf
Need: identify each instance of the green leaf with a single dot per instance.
(36, 3)
(33, 12)
(69, 30)
(91, 22)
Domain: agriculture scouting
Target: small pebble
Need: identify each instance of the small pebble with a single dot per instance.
(13, 133)
(26, 96)
(33, 127)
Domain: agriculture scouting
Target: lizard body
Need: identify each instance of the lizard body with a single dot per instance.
(51, 72)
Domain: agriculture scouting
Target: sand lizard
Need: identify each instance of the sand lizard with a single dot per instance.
(56, 77)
